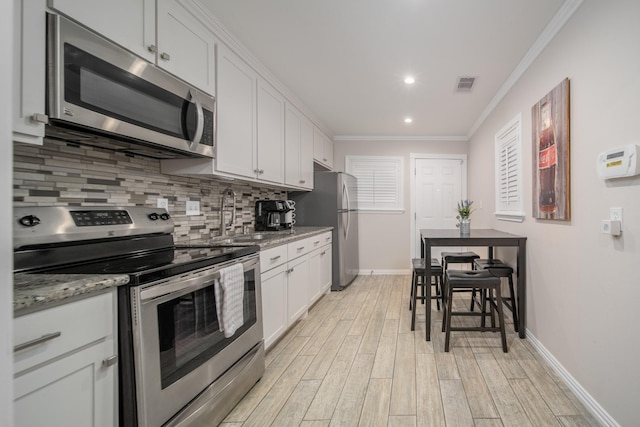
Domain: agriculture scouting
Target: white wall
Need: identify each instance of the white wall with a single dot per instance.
(6, 193)
(582, 297)
(384, 238)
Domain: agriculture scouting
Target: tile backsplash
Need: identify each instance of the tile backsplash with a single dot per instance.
(59, 173)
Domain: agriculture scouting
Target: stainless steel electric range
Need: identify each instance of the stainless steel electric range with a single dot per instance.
(176, 365)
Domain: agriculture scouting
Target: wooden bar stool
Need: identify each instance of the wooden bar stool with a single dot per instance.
(469, 280)
(418, 279)
(500, 269)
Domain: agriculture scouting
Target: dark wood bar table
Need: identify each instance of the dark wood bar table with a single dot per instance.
(490, 238)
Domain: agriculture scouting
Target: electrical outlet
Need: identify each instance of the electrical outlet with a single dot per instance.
(193, 207)
(163, 203)
(615, 214)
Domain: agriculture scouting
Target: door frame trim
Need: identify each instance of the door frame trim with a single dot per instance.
(424, 156)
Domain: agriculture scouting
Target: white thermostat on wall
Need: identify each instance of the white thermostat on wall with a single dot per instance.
(619, 162)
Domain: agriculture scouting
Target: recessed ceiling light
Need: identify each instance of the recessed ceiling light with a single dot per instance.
(409, 80)
(408, 120)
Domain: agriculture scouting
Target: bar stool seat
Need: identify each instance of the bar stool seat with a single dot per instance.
(459, 258)
(500, 269)
(469, 280)
(418, 279)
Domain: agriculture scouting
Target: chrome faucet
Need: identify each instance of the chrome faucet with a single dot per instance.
(224, 204)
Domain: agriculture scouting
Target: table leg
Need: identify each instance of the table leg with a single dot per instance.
(522, 287)
(427, 265)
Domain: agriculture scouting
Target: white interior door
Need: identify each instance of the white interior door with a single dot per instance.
(440, 183)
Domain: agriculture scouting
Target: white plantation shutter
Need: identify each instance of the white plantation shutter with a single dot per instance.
(508, 148)
(379, 181)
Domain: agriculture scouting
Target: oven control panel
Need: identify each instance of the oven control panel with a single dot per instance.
(38, 225)
(92, 218)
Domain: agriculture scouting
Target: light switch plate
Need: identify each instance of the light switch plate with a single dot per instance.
(193, 207)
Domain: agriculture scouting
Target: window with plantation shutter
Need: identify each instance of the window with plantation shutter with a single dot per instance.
(379, 181)
(508, 151)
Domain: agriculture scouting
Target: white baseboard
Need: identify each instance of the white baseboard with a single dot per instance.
(383, 272)
(587, 400)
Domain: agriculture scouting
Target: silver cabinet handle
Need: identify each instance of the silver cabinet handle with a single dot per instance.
(302, 181)
(40, 118)
(322, 253)
(110, 361)
(37, 341)
(261, 171)
(300, 248)
(152, 48)
(165, 56)
(317, 242)
(275, 258)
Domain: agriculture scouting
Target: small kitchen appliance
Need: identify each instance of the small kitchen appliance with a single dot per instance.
(274, 215)
(177, 367)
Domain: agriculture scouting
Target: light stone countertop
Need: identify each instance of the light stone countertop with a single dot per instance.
(33, 292)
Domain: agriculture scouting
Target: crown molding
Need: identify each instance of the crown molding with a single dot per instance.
(561, 17)
(400, 138)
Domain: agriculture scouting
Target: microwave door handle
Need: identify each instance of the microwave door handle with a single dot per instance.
(199, 121)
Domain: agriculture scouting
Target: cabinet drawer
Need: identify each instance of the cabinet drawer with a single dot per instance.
(273, 257)
(78, 323)
(299, 248)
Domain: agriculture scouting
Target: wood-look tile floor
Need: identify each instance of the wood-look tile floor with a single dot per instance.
(354, 361)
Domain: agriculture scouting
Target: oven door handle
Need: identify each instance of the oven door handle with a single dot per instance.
(191, 282)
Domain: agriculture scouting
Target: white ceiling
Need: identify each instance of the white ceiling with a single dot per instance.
(345, 60)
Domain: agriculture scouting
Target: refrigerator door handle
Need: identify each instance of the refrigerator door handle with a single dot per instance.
(345, 191)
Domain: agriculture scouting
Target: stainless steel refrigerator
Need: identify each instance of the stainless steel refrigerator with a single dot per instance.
(333, 202)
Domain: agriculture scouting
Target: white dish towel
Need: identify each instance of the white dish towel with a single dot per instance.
(229, 290)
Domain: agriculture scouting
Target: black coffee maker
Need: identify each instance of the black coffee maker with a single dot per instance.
(273, 215)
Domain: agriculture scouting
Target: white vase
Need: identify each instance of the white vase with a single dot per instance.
(465, 227)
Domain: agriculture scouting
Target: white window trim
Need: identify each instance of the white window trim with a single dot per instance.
(397, 160)
(513, 129)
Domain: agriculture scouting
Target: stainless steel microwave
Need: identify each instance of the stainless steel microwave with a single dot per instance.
(101, 94)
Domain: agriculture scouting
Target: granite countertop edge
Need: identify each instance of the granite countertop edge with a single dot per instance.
(34, 292)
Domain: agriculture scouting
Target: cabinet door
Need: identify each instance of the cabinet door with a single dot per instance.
(297, 288)
(274, 304)
(29, 71)
(236, 136)
(129, 23)
(270, 133)
(292, 125)
(75, 391)
(306, 153)
(186, 48)
(315, 275)
(318, 145)
(325, 269)
(328, 152)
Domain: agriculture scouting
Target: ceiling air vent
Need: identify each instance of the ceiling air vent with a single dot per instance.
(465, 84)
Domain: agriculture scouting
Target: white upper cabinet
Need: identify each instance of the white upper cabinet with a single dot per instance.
(236, 150)
(162, 31)
(186, 48)
(129, 23)
(270, 133)
(29, 71)
(322, 148)
(298, 149)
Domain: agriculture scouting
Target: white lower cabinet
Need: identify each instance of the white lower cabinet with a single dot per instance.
(294, 276)
(297, 285)
(320, 267)
(65, 365)
(274, 303)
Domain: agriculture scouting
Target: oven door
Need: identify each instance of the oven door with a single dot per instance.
(178, 347)
(96, 86)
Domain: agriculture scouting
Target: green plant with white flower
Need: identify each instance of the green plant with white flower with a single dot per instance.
(464, 210)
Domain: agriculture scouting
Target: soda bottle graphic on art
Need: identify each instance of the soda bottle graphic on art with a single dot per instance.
(547, 161)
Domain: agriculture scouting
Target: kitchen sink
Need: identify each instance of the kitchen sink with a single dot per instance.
(250, 237)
